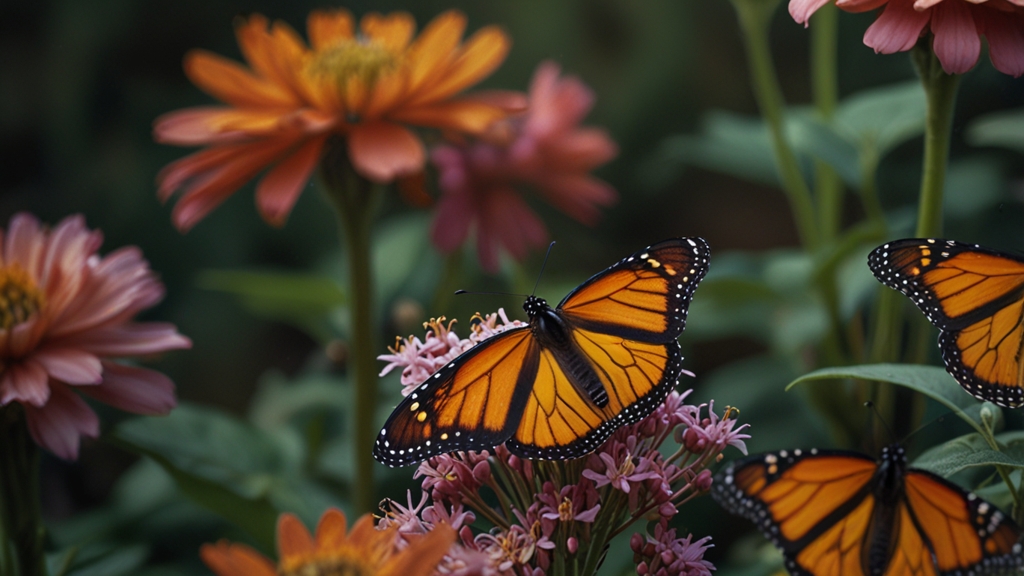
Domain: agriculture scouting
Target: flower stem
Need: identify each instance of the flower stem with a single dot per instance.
(827, 185)
(755, 18)
(21, 525)
(940, 89)
(355, 200)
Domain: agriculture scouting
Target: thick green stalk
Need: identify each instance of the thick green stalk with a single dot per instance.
(824, 85)
(21, 524)
(355, 200)
(940, 90)
(755, 18)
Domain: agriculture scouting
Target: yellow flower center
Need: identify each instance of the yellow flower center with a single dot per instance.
(363, 59)
(19, 296)
(329, 567)
(565, 510)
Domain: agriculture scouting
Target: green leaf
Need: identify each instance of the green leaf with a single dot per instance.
(303, 300)
(226, 465)
(931, 381)
(969, 451)
(815, 139)
(1003, 129)
(109, 562)
(883, 118)
(973, 185)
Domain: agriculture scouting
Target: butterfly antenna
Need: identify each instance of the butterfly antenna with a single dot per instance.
(460, 292)
(892, 435)
(550, 246)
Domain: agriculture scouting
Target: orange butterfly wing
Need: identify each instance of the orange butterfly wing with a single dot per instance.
(815, 506)
(473, 402)
(975, 296)
(823, 510)
(643, 297)
(966, 534)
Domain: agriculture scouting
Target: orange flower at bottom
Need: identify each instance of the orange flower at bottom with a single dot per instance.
(365, 551)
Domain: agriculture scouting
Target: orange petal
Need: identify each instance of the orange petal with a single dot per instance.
(292, 538)
(507, 100)
(227, 559)
(392, 31)
(278, 191)
(330, 531)
(422, 555)
(387, 92)
(363, 532)
(208, 124)
(177, 173)
(464, 115)
(206, 191)
(480, 56)
(229, 82)
(326, 27)
(382, 151)
(435, 46)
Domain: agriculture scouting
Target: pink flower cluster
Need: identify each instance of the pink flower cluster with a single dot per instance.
(563, 509)
(666, 555)
(543, 149)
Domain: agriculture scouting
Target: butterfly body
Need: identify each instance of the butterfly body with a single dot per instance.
(556, 388)
(975, 297)
(842, 513)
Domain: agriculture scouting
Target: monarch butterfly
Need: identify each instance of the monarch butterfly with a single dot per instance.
(975, 296)
(556, 388)
(839, 512)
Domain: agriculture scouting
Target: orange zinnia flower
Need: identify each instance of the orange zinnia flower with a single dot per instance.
(365, 551)
(365, 86)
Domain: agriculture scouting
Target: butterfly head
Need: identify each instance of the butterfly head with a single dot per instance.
(534, 306)
(892, 469)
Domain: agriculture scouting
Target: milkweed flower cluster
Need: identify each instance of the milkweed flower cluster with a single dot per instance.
(957, 27)
(66, 322)
(542, 149)
(562, 511)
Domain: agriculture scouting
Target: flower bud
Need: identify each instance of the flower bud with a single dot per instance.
(703, 481)
(636, 542)
(572, 544)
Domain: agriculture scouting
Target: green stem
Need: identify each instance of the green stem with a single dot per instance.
(21, 525)
(355, 199)
(940, 89)
(755, 18)
(824, 86)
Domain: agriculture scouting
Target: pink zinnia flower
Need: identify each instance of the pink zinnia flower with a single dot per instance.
(956, 24)
(543, 149)
(65, 317)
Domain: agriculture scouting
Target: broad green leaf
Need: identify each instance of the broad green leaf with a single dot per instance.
(884, 117)
(931, 381)
(815, 139)
(969, 451)
(303, 300)
(401, 247)
(278, 400)
(973, 186)
(110, 562)
(1004, 129)
(223, 464)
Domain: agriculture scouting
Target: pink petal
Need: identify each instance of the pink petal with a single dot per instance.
(897, 29)
(956, 44)
(1005, 34)
(452, 219)
(26, 382)
(506, 220)
(128, 339)
(25, 243)
(136, 390)
(278, 191)
(60, 424)
(578, 195)
(582, 150)
(70, 365)
(801, 10)
(382, 151)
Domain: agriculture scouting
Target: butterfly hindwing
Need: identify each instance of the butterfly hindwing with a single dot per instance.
(472, 403)
(975, 296)
(560, 422)
(644, 296)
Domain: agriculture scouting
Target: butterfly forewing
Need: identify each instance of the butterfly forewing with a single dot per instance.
(471, 404)
(644, 296)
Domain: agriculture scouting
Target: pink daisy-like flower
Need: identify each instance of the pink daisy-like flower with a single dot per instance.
(957, 26)
(65, 318)
(543, 149)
